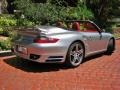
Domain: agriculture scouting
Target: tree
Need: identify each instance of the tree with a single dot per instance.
(52, 10)
(0, 6)
(104, 9)
(3, 6)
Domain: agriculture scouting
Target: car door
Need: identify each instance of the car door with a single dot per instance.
(93, 38)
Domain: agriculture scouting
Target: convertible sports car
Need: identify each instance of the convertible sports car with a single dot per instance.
(68, 44)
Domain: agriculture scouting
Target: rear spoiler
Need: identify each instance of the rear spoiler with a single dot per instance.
(28, 31)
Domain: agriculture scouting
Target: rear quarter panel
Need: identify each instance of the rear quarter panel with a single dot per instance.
(66, 39)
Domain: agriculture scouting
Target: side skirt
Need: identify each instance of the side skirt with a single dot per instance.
(95, 52)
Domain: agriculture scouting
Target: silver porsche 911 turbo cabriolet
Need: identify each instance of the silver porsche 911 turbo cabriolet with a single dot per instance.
(66, 42)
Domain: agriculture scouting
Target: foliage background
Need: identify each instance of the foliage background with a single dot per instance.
(30, 13)
(42, 13)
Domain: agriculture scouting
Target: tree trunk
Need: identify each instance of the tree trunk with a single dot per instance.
(3, 6)
(0, 7)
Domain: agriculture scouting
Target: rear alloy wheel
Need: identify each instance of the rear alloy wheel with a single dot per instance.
(75, 55)
(110, 47)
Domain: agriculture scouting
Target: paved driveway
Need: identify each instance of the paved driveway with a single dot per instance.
(101, 72)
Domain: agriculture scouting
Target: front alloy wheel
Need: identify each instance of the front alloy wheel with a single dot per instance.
(75, 54)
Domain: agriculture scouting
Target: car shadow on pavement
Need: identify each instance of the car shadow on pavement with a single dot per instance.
(6, 54)
(97, 56)
(93, 57)
(30, 66)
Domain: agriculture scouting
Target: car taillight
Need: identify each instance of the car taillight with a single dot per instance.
(45, 40)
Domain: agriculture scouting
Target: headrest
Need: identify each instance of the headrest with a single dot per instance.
(76, 26)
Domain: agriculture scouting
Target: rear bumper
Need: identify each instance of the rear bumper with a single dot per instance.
(43, 53)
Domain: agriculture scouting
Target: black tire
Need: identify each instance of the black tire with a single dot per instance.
(75, 55)
(111, 46)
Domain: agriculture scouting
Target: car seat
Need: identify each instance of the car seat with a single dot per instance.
(76, 26)
(59, 24)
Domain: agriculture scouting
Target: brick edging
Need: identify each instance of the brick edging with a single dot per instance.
(6, 53)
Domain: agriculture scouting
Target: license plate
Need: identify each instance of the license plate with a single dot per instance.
(22, 49)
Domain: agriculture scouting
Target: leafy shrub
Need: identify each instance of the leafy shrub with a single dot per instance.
(7, 20)
(5, 31)
(42, 13)
(1, 31)
(13, 35)
(38, 13)
(5, 44)
(6, 24)
(80, 13)
(24, 22)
